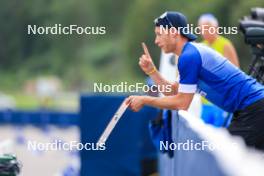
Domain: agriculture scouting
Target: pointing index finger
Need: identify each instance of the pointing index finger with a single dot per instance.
(145, 48)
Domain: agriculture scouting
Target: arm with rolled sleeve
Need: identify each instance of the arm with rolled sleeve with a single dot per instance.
(189, 66)
(189, 69)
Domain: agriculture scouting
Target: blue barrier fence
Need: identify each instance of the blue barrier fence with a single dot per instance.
(126, 147)
(130, 141)
(39, 117)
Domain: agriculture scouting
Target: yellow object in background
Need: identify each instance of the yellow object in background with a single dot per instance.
(218, 44)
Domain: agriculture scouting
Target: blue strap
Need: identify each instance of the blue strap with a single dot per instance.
(160, 130)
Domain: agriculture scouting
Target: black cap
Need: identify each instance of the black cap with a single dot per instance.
(177, 20)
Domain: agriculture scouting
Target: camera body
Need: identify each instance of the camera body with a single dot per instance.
(253, 27)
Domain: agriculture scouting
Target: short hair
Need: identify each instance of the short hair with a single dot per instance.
(208, 18)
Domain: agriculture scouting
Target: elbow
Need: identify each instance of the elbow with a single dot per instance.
(184, 107)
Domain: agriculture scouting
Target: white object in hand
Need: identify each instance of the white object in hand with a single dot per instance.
(111, 125)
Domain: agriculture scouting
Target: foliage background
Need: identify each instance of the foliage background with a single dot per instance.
(80, 60)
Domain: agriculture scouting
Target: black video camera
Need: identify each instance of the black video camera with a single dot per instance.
(253, 27)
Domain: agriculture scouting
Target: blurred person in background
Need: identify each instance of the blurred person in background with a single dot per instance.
(216, 41)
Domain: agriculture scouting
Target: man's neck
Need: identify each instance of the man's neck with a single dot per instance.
(179, 47)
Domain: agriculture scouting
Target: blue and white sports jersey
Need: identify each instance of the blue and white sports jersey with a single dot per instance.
(205, 71)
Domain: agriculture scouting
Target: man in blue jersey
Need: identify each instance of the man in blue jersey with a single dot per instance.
(203, 70)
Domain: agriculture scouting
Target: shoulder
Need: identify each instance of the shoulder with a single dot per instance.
(190, 56)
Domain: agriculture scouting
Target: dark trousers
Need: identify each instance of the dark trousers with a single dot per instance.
(249, 124)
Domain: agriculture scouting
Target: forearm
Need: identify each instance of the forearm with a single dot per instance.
(167, 102)
(172, 88)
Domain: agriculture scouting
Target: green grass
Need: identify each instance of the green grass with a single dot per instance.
(26, 101)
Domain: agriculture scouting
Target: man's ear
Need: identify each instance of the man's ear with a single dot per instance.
(174, 34)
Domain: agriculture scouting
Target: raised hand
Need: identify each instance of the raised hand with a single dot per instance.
(146, 62)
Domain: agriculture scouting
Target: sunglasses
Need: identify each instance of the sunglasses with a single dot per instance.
(162, 17)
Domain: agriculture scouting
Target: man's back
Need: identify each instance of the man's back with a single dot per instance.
(216, 78)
